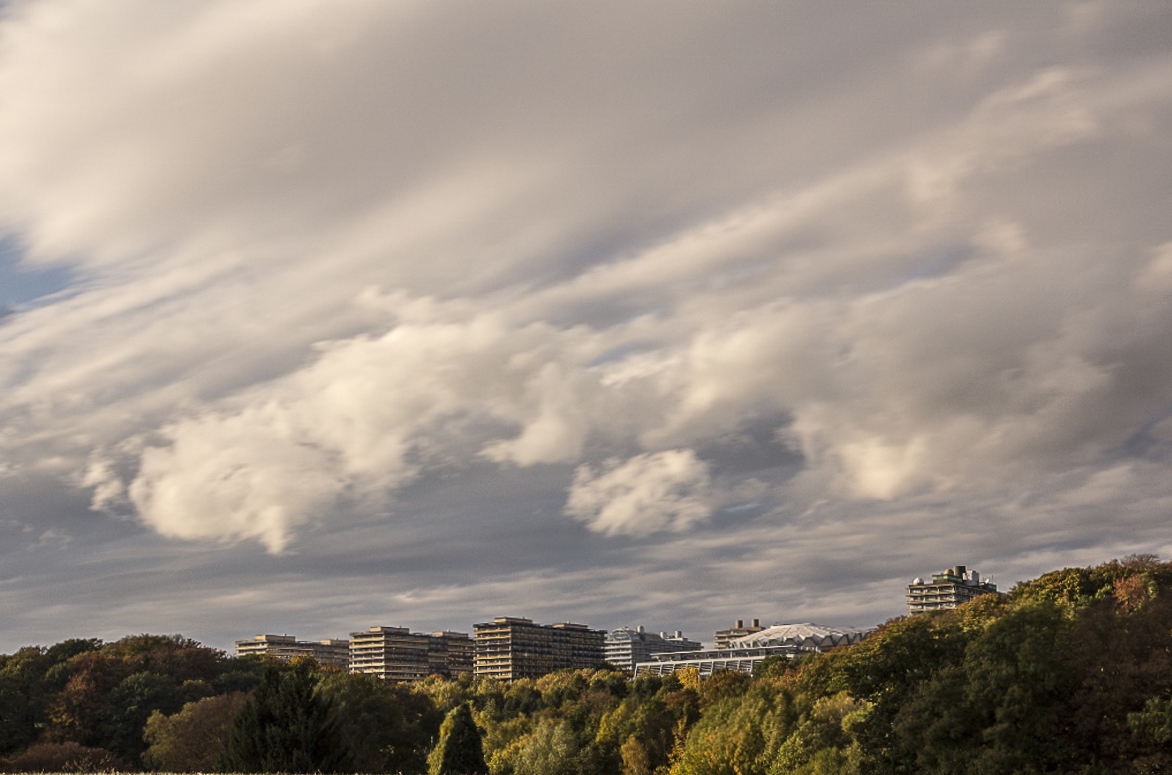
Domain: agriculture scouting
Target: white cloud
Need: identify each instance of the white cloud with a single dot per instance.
(328, 255)
(667, 490)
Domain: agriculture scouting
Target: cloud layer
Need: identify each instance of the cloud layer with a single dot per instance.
(739, 285)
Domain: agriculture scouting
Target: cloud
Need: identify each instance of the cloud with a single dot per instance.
(715, 284)
(659, 491)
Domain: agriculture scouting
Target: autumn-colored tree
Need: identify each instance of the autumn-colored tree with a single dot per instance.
(196, 738)
(62, 757)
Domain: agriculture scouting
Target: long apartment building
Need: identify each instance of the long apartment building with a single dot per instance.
(508, 648)
(397, 654)
(625, 647)
(947, 589)
(286, 647)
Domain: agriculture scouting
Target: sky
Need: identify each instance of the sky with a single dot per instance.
(317, 316)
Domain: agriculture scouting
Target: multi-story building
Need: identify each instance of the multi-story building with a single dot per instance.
(739, 631)
(285, 647)
(397, 654)
(449, 653)
(511, 647)
(624, 647)
(947, 589)
(746, 652)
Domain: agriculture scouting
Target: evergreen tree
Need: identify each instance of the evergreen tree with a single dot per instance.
(460, 751)
(286, 727)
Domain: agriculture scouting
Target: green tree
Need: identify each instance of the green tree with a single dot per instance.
(734, 737)
(822, 742)
(552, 748)
(128, 707)
(21, 678)
(196, 738)
(384, 725)
(286, 727)
(459, 751)
(28, 680)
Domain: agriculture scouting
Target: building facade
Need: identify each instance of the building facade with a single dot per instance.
(285, 647)
(450, 653)
(508, 648)
(723, 637)
(624, 647)
(947, 589)
(397, 654)
(712, 660)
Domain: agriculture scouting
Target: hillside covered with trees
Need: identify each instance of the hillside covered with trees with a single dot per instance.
(1069, 673)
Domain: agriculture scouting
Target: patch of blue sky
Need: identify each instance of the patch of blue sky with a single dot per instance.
(21, 285)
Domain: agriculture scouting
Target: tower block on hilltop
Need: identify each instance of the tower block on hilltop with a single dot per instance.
(947, 589)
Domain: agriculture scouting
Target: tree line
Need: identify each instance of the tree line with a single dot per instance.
(1069, 673)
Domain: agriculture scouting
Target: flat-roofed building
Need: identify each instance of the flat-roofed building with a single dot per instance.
(947, 589)
(738, 631)
(511, 647)
(450, 653)
(626, 647)
(397, 654)
(335, 653)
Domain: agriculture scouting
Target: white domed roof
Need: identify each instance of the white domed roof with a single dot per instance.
(805, 634)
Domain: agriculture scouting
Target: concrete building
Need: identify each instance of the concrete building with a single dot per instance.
(286, 647)
(947, 589)
(508, 648)
(625, 647)
(739, 631)
(450, 653)
(397, 654)
(746, 652)
(713, 660)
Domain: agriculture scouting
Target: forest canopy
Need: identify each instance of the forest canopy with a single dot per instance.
(1068, 673)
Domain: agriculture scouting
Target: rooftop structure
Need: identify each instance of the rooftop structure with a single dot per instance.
(805, 635)
(287, 647)
(510, 647)
(624, 647)
(713, 660)
(397, 654)
(740, 630)
(748, 651)
(947, 589)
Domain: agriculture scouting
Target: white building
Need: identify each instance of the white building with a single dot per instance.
(624, 647)
(946, 590)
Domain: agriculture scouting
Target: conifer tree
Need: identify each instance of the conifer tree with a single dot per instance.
(286, 727)
(459, 751)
